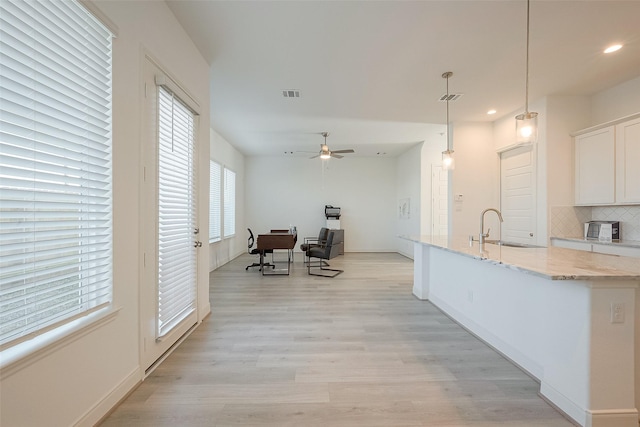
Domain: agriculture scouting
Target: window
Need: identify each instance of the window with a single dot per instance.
(215, 172)
(55, 166)
(176, 211)
(229, 202)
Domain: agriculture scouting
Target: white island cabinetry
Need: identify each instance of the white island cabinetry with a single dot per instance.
(550, 311)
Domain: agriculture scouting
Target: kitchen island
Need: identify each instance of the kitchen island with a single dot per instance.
(567, 317)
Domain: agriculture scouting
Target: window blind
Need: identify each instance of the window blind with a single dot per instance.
(215, 180)
(55, 166)
(229, 202)
(176, 212)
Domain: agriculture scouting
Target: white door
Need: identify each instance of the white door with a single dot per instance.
(439, 200)
(518, 195)
(169, 289)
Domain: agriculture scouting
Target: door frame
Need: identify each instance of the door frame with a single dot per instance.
(153, 350)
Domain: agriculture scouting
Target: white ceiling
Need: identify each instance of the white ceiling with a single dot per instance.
(369, 72)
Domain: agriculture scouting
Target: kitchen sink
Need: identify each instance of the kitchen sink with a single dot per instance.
(512, 244)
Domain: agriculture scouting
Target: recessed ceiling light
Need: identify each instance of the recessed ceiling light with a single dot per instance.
(491, 112)
(613, 48)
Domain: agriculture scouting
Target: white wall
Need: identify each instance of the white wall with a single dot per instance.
(475, 177)
(566, 114)
(284, 191)
(78, 382)
(229, 248)
(431, 156)
(410, 186)
(619, 101)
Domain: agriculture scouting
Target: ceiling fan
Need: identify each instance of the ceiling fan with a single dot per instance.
(325, 153)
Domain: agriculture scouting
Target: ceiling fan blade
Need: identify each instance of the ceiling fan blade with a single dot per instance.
(337, 156)
(350, 150)
(316, 156)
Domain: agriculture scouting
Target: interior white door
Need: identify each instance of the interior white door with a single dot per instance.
(168, 298)
(518, 194)
(439, 200)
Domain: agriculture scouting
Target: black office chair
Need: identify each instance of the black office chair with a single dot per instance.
(310, 242)
(322, 253)
(250, 242)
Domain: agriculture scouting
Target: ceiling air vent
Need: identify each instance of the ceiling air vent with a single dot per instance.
(291, 93)
(450, 97)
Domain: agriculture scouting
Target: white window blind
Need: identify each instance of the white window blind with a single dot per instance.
(176, 212)
(229, 202)
(215, 179)
(55, 166)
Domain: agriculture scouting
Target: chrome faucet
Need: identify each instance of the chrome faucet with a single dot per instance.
(482, 234)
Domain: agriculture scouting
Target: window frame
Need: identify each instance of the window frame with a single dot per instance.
(228, 203)
(86, 315)
(215, 202)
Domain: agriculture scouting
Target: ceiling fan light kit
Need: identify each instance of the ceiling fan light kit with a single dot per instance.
(325, 153)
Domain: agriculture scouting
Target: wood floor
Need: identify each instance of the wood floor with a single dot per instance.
(356, 350)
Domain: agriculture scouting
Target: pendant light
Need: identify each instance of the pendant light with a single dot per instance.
(527, 122)
(448, 162)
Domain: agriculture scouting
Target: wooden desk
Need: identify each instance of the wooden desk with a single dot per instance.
(277, 240)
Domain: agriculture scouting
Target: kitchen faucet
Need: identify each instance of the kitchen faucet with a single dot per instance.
(482, 235)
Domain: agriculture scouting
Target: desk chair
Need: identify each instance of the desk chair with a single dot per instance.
(322, 253)
(310, 242)
(250, 242)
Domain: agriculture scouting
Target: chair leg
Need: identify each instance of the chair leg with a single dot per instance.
(321, 268)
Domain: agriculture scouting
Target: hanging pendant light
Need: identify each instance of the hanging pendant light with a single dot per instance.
(448, 162)
(527, 122)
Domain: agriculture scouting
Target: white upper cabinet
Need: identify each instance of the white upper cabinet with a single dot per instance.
(607, 164)
(595, 167)
(628, 162)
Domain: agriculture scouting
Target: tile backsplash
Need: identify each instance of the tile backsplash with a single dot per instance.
(567, 221)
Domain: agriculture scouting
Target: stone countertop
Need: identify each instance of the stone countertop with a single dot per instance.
(621, 242)
(551, 263)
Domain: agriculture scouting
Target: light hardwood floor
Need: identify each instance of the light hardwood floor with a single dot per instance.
(356, 350)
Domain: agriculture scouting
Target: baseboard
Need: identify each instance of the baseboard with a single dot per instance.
(109, 402)
(612, 418)
(562, 403)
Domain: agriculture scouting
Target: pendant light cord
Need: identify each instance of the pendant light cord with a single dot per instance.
(526, 86)
(448, 148)
(446, 75)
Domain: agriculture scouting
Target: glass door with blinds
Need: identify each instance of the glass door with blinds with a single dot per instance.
(169, 295)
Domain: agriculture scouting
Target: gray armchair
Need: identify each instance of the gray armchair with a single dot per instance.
(321, 253)
(310, 242)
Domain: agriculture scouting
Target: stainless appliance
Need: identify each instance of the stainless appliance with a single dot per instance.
(602, 230)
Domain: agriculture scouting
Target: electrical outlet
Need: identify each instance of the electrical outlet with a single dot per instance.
(617, 312)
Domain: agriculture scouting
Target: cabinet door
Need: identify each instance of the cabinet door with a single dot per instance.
(571, 244)
(617, 250)
(628, 162)
(595, 167)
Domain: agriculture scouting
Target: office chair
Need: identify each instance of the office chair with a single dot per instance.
(250, 241)
(310, 242)
(322, 253)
